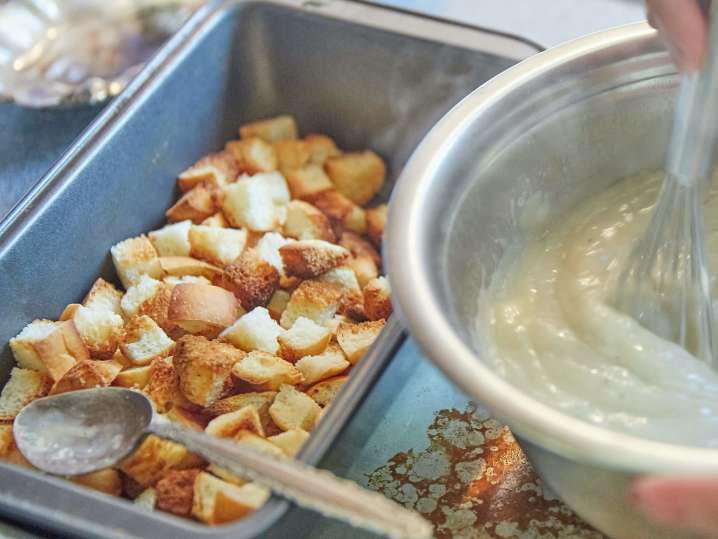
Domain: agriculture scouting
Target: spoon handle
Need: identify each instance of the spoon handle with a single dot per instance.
(309, 487)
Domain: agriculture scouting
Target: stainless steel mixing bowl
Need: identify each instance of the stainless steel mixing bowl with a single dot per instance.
(545, 134)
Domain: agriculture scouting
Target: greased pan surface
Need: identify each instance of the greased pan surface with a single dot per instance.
(335, 67)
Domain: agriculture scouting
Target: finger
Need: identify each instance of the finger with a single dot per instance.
(688, 503)
(682, 25)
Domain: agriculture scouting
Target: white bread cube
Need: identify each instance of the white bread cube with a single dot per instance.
(107, 480)
(321, 147)
(375, 223)
(251, 279)
(147, 499)
(218, 220)
(290, 442)
(253, 155)
(138, 294)
(153, 459)
(277, 185)
(48, 347)
(202, 309)
(143, 340)
(173, 281)
(257, 443)
(377, 299)
(311, 258)
(325, 391)
(172, 240)
(133, 258)
(196, 205)
(343, 277)
(342, 212)
(359, 176)
(282, 127)
(267, 371)
(249, 203)
(304, 338)
(136, 377)
(268, 249)
(100, 330)
(355, 339)
(216, 501)
(293, 409)
(330, 362)
(292, 154)
(230, 424)
(255, 330)
(23, 387)
(213, 170)
(181, 266)
(218, 246)
(87, 374)
(364, 268)
(305, 222)
(103, 296)
(308, 181)
(175, 491)
(314, 300)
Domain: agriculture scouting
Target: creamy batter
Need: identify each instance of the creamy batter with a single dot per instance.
(547, 325)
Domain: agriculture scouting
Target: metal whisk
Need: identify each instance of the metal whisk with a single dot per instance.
(665, 284)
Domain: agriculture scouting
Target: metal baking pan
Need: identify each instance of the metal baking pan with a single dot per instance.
(368, 76)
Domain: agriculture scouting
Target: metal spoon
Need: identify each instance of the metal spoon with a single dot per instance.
(84, 431)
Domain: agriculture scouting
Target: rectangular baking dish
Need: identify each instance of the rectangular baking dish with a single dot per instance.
(368, 76)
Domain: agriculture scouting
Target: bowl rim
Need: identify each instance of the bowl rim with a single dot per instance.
(419, 306)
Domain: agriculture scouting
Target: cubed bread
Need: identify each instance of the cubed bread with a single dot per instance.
(217, 220)
(153, 459)
(253, 155)
(107, 480)
(143, 340)
(218, 246)
(291, 154)
(134, 377)
(249, 203)
(23, 387)
(172, 240)
(321, 147)
(216, 501)
(204, 368)
(133, 258)
(308, 181)
(8, 449)
(306, 222)
(251, 279)
(163, 386)
(375, 223)
(325, 391)
(255, 330)
(173, 281)
(357, 175)
(260, 401)
(230, 424)
(266, 371)
(304, 338)
(330, 362)
(343, 277)
(226, 475)
(189, 419)
(147, 499)
(213, 170)
(202, 309)
(196, 205)
(355, 339)
(49, 347)
(99, 329)
(314, 300)
(359, 247)
(290, 442)
(293, 409)
(377, 299)
(103, 296)
(182, 266)
(257, 443)
(282, 127)
(311, 258)
(139, 293)
(86, 375)
(278, 303)
(119, 358)
(268, 249)
(175, 491)
(343, 214)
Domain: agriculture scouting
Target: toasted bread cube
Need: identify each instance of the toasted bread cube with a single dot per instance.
(255, 330)
(204, 368)
(143, 340)
(253, 155)
(333, 324)
(49, 347)
(314, 300)
(99, 329)
(106, 480)
(355, 339)
(321, 147)
(364, 268)
(196, 205)
(304, 338)
(293, 409)
(133, 258)
(260, 401)
(324, 392)
(173, 281)
(278, 303)
(226, 475)
(311, 258)
(359, 247)
(182, 266)
(103, 296)
(147, 499)
(86, 375)
(257, 443)
(139, 293)
(187, 418)
(343, 277)
(119, 358)
(305, 222)
(213, 170)
(282, 127)
(308, 181)
(216, 501)
(230, 424)
(250, 203)
(175, 491)
(218, 246)
(8, 449)
(291, 154)
(375, 223)
(217, 220)
(153, 459)
(172, 240)
(163, 385)
(23, 387)
(268, 249)
(377, 299)
(265, 370)
(359, 176)
(202, 309)
(330, 362)
(277, 185)
(252, 279)
(343, 214)
(135, 377)
(290, 442)
(156, 306)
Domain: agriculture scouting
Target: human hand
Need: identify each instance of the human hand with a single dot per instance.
(682, 503)
(682, 26)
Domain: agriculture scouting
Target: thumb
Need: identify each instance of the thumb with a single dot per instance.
(683, 27)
